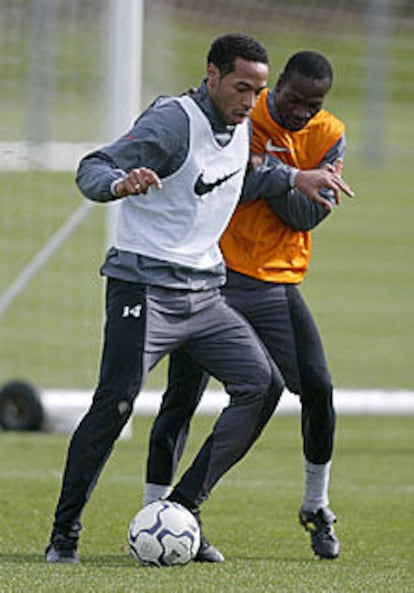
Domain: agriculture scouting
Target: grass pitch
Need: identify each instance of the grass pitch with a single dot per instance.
(251, 516)
(361, 278)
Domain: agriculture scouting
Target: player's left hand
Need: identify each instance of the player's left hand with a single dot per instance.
(312, 181)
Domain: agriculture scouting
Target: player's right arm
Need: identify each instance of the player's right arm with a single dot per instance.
(152, 149)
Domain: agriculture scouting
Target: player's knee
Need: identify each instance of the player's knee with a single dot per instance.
(317, 384)
(277, 383)
(114, 408)
(262, 381)
(255, 383)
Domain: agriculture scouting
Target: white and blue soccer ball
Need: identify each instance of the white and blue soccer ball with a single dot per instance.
(164, 533)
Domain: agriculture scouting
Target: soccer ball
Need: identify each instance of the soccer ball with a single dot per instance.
(164, 533)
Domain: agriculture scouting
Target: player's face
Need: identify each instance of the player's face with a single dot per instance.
(234, 95)
(299, 99)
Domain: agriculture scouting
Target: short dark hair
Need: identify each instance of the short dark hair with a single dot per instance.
(310, 64)
(227, 48)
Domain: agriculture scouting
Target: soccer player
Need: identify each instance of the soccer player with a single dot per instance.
(267, 248)
(178, 174)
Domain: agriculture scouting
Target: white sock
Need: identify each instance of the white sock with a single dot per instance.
(153, 492)
(316, 486)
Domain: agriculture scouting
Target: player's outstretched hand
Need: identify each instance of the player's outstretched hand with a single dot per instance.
(138, 181)
(312, 181)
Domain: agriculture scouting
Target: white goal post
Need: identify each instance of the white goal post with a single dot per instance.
(125, 27)
(125, 78)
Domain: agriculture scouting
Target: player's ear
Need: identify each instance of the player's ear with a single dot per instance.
(279, 83)
(213, 73)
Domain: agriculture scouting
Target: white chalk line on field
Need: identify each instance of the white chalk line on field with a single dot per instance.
(363, 401)
(64, 408)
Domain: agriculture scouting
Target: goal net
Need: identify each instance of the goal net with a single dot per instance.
(56, 68)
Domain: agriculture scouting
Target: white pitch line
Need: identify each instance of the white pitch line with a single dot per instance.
(43, 256)
(64, 407)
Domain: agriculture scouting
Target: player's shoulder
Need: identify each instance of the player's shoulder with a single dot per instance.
(327, 116)
(163, 106)
(165, 113)
(328, 122)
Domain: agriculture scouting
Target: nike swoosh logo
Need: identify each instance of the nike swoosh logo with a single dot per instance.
(201, 187)
(272, 148)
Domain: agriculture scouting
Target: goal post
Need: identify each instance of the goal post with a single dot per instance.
(124, 80)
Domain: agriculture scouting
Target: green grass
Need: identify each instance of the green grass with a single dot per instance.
(251, 516)
(361, 278)
(359, 288)
(359, 285)
(360, 282)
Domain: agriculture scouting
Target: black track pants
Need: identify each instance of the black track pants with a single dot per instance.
(143, 324)
(285, 325)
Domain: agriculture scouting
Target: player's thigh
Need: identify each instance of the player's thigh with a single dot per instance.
(187, 381)
(125, 359)
(310, 352)
(226, 346)
(266, 307)
(309, 346)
